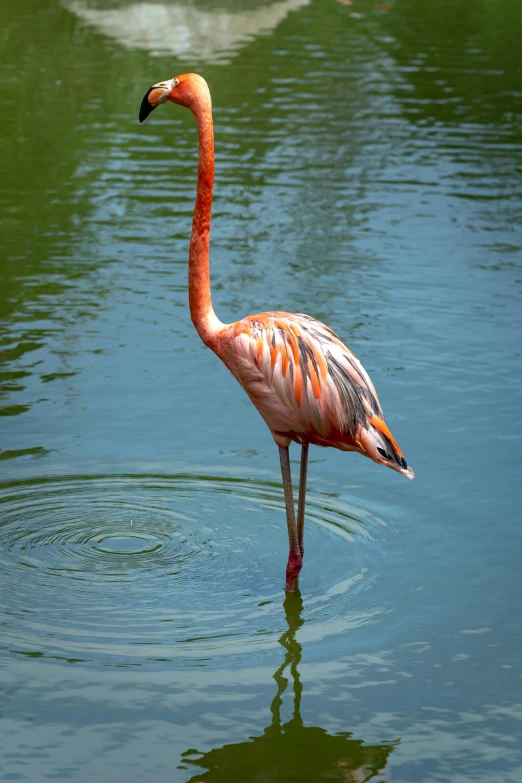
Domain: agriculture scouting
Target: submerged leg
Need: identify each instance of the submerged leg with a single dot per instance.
(302, 497)
(295, 561)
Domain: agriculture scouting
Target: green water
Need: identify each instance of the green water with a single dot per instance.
(368, 173)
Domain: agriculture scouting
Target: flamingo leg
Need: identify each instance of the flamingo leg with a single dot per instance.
(302, 497)
(295, 560)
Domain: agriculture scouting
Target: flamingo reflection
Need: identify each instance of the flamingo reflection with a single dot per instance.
(291, 751)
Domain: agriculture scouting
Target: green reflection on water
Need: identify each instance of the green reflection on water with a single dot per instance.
(292, 751)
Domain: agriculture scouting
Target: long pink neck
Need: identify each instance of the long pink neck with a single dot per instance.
(203, 317)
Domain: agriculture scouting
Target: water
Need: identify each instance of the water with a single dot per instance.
(368, 173)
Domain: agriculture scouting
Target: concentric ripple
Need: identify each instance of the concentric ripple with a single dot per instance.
(128, 569)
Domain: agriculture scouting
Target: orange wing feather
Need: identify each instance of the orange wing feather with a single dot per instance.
(309, 386)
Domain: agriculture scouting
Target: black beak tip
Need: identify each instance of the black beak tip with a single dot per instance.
(145, 108)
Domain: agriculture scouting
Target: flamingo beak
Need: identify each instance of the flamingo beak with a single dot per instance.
(157, 94)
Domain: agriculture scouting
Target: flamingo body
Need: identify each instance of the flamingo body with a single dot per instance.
(308, 385)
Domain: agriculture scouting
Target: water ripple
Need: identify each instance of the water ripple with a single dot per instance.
(124, 569)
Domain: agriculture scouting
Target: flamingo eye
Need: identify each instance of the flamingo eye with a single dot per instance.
(175, 83)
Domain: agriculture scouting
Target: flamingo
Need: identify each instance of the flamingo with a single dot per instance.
(305, 382)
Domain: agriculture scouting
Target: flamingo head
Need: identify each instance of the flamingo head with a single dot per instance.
(185, 90)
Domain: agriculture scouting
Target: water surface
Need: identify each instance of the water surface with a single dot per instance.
(368, 173)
